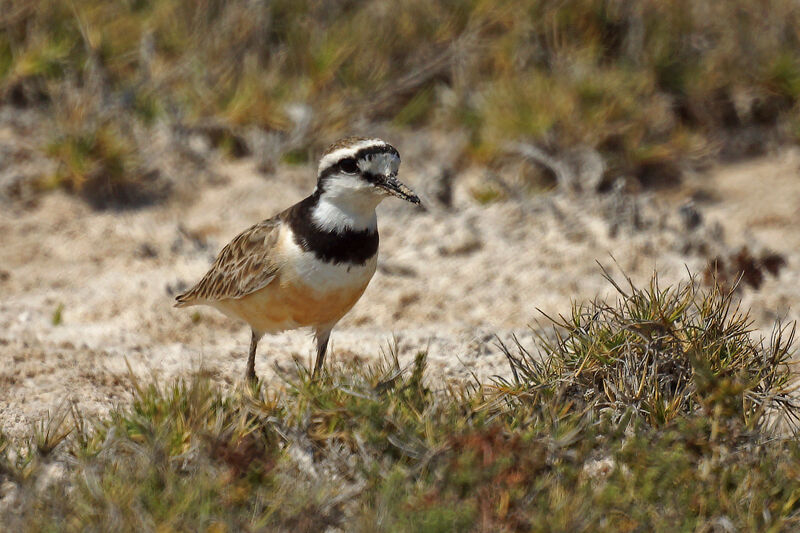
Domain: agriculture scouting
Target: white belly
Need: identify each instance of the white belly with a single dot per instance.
(320, 276)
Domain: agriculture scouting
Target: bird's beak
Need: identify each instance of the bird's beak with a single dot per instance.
(394, 187)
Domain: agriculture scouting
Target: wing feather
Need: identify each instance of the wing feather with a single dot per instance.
(245, 265)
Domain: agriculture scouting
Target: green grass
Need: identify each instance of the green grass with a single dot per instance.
(658, 411)
(642, 83)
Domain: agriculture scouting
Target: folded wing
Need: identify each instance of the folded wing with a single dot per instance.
(244, 266)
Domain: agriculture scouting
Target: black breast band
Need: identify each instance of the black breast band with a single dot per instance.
(348, 246)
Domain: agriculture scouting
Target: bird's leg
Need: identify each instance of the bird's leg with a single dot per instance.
(322, 346)
(250, 373)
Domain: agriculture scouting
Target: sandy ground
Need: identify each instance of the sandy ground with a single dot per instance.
(449, 279)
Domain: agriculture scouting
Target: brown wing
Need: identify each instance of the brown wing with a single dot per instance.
(245, 265)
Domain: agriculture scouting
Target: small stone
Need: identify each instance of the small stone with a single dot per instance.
(690, 216)
(463, 241)
(393, 269)
(146, 251)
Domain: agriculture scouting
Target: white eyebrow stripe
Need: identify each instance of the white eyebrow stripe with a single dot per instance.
(349, 151)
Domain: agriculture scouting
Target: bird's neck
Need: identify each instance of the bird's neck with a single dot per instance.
(342, 211)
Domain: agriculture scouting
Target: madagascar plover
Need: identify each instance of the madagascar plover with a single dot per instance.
(308, 265)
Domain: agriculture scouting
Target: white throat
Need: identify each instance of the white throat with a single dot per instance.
(343, 208)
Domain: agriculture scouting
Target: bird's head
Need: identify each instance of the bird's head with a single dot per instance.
(359, 169)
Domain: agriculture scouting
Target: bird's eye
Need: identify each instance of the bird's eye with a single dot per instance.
(349, 166)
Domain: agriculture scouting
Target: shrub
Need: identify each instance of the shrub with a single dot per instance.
(662, 354)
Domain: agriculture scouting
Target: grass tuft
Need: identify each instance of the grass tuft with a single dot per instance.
(98, 158)
(51, 431)
(662, 353)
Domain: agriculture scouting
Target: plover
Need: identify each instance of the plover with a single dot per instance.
(308, 265)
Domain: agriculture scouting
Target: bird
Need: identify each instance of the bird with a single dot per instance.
(307, 266)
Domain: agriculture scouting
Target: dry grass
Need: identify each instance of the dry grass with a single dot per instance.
(98, 154)
(571, 444)
(662, 353)
(643, 83)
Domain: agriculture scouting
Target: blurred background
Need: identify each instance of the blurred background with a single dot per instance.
(137, 137)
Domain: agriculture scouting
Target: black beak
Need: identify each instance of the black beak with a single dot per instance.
(396, 188)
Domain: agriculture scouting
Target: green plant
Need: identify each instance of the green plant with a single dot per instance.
(644, 82)
(663, 353)
(649, 413)
(58, 315)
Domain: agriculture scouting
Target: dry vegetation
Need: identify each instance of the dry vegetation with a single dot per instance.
(655, 412)
(648, 85)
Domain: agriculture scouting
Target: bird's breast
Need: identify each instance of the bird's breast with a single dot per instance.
(322, 277)
(306, 290)
(305, 268)
(316, 291)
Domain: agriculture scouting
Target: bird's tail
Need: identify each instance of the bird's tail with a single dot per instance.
(185, 300)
